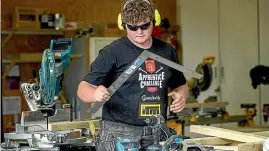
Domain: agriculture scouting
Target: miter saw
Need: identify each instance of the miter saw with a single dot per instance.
(195, 109)
(55, 60)
(198, 85)
(35, 129)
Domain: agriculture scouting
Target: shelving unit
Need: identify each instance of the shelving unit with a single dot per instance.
(34, 31)
(26, 31)
(26, 58)
(9, 60)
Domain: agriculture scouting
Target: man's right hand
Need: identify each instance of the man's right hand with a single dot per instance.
(101, 94)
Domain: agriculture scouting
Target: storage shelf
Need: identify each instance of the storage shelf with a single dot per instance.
(9, 92)
(33, 32)
(13, 59)
(30, 58)
(22, 31)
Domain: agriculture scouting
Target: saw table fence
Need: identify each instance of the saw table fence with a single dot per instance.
(232, 140)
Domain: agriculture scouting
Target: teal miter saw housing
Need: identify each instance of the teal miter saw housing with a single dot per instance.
(54, 62)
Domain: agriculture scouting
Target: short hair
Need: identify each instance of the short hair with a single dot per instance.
(134, 11)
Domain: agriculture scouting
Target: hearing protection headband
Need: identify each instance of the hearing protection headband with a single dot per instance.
(157, 17)
(127, 2)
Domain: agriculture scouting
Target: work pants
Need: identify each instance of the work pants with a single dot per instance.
(109, 131)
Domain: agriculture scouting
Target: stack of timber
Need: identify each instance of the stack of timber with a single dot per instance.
(232, 140)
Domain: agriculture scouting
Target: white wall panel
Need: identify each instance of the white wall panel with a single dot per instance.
(239, 52)
(264, 45)
(199, 29)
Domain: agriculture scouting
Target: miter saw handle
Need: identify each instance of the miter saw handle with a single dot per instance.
(61, 47)
(62, 50)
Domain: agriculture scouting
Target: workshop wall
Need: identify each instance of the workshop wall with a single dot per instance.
(84, 11)
(87, 11)
(236, 32)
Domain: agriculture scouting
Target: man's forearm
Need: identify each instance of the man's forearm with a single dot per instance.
(86, 92)
(183, 89)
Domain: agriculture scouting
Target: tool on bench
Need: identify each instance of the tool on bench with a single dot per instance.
(265, 112)
(55, 60)
(46, 125)
(250, 110)
(155, 128)
(133, 67)
(92, 130)
(196, 86)
(42, 97)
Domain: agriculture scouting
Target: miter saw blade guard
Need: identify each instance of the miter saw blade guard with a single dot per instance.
(47, 77)
(204, 68)
(204, 83)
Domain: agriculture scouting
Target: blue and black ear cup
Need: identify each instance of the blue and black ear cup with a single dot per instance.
(156, 22)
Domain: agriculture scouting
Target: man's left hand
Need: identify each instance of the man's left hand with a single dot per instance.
(178, 103)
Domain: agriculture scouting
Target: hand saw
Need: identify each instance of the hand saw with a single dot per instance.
(133, 67)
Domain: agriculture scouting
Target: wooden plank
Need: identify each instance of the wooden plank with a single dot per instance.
(59, 126)
(253, 146)
(214, 104)
(11, 65)
(262, 130)
(264, 133)
(226, 134)
(206, 120)
(213, 141)
(226, 148)
(220, 143)
(212, 120)
(206, 105)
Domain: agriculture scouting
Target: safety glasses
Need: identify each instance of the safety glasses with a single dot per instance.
(142, 27)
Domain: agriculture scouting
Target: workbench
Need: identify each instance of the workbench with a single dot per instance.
(232, 140)
(192, 116)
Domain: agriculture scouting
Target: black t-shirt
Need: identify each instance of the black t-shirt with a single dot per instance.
(149, 84)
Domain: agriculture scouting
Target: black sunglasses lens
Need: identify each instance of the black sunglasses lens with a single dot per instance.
(133, 28)
(142, 27)
(145, 26)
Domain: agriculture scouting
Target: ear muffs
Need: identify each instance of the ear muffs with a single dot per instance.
(120, 25)
(157, 18)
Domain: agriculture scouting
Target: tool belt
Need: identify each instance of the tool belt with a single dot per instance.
(109, 131)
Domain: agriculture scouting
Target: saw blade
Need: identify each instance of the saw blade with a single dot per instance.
(133, 67)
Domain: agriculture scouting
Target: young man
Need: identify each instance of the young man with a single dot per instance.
(122, 112)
